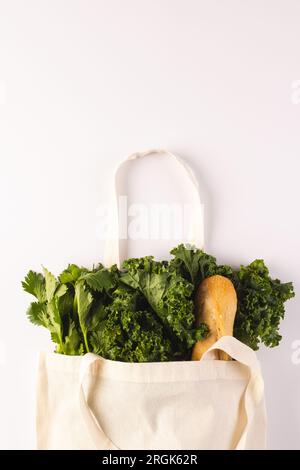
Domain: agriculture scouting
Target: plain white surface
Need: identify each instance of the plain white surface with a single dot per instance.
(83, 84)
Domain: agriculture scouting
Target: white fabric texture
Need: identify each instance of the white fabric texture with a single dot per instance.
(87, 402)
(92, 403)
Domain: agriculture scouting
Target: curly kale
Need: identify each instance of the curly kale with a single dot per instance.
(260, 305)
(260, 298)
(169, 296)
(195, 265)
(129, 334)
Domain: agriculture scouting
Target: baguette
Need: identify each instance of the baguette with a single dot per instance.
(216, 304)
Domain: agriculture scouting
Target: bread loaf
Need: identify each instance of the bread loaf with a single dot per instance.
(216, 304)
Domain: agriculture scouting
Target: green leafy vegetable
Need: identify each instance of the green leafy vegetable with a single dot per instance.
(71, 306)
(195, 265)
(169, 297)
(71, 274)
(34, 283)
(260, 298)
(146, 311)
(103, 280)
(83, 301)
(37, 314)
(129, 334)
(50, 284)
(260, 305)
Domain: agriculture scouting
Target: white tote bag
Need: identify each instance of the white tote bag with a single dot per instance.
(87, 402)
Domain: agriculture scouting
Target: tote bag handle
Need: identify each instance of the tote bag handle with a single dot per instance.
(98, 437)
(115, 252)
(240, 352)
(254, 392)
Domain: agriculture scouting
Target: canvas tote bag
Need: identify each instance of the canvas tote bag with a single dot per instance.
(88, 402)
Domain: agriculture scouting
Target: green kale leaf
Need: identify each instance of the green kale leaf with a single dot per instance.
(129, 334)
(260, 305)
(169, 298)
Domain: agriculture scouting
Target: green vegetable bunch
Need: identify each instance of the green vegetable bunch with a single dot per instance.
(260, 298)
(145, 312)
(73, 306)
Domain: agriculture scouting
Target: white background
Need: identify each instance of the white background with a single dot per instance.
(84, 83)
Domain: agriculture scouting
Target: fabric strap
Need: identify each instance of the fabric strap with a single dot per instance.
(230, 345)
(115, 252)
(94, 429)
(255, 388)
